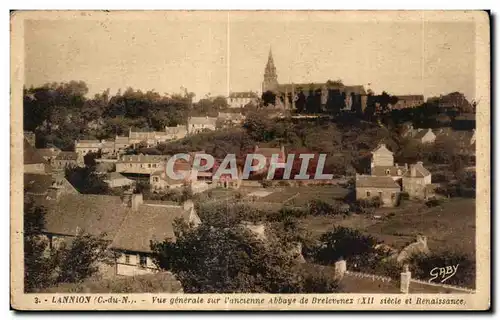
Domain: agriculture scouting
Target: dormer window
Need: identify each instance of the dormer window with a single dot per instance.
(388, 172)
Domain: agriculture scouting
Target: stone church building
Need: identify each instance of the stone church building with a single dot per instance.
(331, 94)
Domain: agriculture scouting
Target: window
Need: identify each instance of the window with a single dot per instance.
(154, 165)
(393, 196)
(127, 259)
(149, 165)
(142, 261)
(155, 179)
(367, 193)
(388, 171)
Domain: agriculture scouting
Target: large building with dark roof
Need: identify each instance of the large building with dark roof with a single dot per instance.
(127, 223)
(349, 98)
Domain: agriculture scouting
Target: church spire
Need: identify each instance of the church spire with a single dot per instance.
(270, 61)
(270, 76)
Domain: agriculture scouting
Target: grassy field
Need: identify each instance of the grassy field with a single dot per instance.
(300, 196)
(448, 227)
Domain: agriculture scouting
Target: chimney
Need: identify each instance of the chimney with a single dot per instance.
(420, 163)
(413, 172)
(396, 164)
(137, 200)
(404, 284)
(340, 268)
(406, 166)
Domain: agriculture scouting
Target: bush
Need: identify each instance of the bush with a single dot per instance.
(319, 208)
(286, 212)
(266, 183)
(284, 183)
(432, 203)
(346, 243)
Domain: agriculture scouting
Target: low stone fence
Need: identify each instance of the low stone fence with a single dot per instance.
(405, 280)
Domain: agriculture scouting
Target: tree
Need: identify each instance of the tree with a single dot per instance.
(268, 98)
(44, 266)
(81, 259)
(228, 259)
(345, 243)
(38, 266)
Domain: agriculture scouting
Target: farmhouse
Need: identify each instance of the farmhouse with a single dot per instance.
(369, 187)
(199, 124)
(140, 164)
(127, 223)
(146, 222)
(416, 181)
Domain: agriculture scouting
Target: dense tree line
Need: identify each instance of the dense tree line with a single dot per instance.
(61, 112)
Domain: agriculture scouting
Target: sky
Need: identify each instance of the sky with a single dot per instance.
(219, 52)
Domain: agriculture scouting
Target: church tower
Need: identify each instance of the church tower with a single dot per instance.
(270, 77)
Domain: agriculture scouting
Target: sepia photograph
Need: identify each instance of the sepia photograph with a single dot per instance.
(259, 160)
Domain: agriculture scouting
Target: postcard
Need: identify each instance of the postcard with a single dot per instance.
(250, 160)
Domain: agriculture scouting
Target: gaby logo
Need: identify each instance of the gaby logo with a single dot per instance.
(444, 273)
(254, 162)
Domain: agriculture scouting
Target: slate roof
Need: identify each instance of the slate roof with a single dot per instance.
(382, 171)
(202, 120)
(146, 224)
(376, 182)
(115, 176)
(31, 155)
(381, 148)
(419, 170)
(88, 144)
(141, 158)
(37, 183)
(94, 214)
(67, 155)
